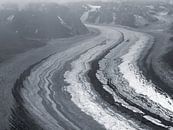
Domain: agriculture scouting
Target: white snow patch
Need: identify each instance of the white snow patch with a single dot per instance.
(94, 7)
(61, 20)
(10, 18)
(155, 121)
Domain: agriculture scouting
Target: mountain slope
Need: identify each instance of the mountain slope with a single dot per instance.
(32, 26)
(133, 14)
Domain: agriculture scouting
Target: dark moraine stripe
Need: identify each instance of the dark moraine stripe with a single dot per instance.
(93, 79)
(21, 119)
